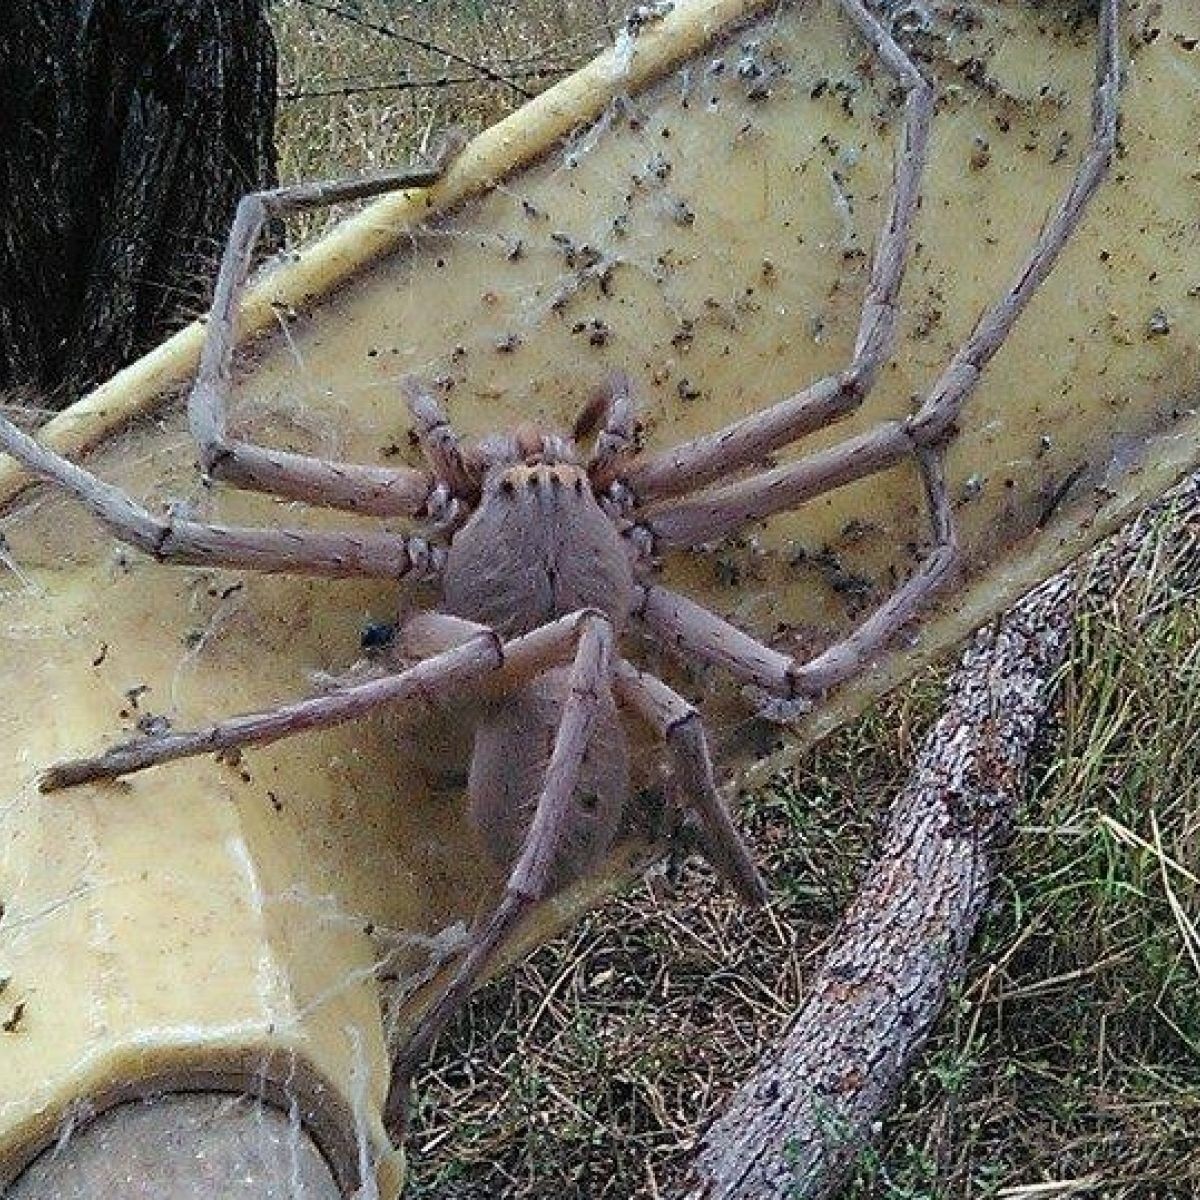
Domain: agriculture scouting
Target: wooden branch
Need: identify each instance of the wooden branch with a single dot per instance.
(797, 1126)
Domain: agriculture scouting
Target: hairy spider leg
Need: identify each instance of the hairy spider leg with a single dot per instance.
(694, 464)
(694, 632)
(474, 658)
(334, 554)
(679, 725)
(711, 515)
(457, 476)
(379, 491)
(617, 439)
(442, 675)
(535, 869)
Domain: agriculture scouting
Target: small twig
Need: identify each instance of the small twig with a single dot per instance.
(1041, 987)
(1053, 1190)
(1123, 833)
(1187, 927)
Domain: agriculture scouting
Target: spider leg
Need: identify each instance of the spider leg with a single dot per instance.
(438, 676)
(694, 464)
(694, 631)
(458, 482)
(171, 539)
(617, 438)
(380, 491)
(680, 727)
(475, 657)
(714, 514)
(531, 876)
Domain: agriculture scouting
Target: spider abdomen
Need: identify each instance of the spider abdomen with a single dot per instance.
(512, 749)
(538, 547)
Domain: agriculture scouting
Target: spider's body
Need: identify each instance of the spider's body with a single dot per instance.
(546, 554)
(513, 743)
(538, 547)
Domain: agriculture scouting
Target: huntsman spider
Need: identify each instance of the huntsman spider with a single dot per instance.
(543, 551)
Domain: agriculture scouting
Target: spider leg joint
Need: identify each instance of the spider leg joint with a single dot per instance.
(642, 542)
(426, 560)
(618, 500)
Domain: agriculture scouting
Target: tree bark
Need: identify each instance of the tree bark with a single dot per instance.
(797, 1126)
(128, 131)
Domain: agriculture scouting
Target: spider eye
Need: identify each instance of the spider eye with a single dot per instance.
(529, 443)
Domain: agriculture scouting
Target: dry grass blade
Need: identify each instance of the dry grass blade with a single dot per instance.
(1051, 1191)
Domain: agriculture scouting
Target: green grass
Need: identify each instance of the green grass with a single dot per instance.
(1071, 1052)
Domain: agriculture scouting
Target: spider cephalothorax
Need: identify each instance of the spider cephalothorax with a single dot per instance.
(545, 557)
(538, 543)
